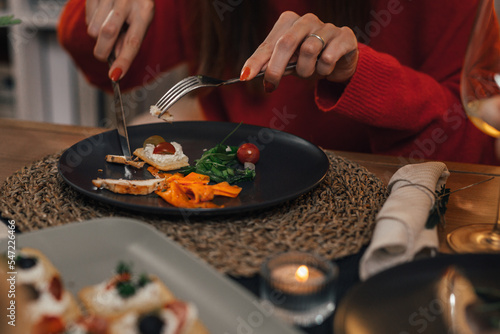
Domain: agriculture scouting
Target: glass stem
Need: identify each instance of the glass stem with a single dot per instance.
(496, 228)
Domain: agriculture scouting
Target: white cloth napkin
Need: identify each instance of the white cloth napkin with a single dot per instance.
(400, 231)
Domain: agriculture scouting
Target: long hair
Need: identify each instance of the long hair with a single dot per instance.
(227, 41)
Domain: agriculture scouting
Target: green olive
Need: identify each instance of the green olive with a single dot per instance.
(154, 140)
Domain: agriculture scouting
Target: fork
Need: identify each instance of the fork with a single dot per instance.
(191, 83)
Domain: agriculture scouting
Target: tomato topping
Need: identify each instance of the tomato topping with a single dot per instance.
(49, 325)
(248, 152)
(153, 140)
(164, 148)
(95, 324)
(56, 287)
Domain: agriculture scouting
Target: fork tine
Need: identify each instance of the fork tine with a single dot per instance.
(176, 97)
(176, 94)
(178, 86)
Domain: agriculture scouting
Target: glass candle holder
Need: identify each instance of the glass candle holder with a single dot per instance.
(300, 287)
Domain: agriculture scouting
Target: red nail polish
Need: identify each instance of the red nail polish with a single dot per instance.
(245, 73)
(269, 87)
(116, 74)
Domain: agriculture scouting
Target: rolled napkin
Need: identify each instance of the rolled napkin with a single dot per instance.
(400, 231)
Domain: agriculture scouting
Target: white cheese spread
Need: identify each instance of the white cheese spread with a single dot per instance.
(106, 298)
(128, 324)
(47, 304)
(165, 158)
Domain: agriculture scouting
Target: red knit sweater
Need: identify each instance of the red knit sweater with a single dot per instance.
(403, 99)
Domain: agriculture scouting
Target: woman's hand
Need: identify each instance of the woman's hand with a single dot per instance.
(318, 48)
(119, 24)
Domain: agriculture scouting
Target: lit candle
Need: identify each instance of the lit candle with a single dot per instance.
(300, 286)
(293, 278)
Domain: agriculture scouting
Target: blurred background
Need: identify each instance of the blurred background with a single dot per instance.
(39, 82)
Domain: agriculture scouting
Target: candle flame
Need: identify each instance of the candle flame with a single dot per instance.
(302, 273)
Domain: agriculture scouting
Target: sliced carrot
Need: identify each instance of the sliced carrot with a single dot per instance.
(195, 177)
(225, 189)
(176, 196)
(199, 192)
(193, 190)
(157, 173)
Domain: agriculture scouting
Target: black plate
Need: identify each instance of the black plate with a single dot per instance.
(288, 167)
(403, 299)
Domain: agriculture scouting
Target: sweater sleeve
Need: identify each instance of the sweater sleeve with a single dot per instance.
(161, 48)
(406, 86)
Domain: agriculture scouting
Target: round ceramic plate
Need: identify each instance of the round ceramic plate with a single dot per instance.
(288, 167)
(403, 299)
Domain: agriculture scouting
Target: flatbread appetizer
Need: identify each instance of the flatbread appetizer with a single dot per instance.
(124, 293)
(48, 305)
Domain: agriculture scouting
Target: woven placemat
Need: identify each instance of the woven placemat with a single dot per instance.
(335, 219)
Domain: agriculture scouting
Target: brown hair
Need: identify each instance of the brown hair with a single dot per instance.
(227, 41)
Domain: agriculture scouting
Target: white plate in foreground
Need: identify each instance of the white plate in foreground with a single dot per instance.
(88, 252)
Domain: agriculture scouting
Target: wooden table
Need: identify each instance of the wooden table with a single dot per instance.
(22, 142)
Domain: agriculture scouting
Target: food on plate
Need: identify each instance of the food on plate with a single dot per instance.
(11, 297)
(131, 187)
(124, 292)
(48, 306)
(153, 140)
(122, 304)
(120, 159)
(88, 324)
(155, 111)
(248, 152)
(174, 317)
(189, 188)
(162, 159)
(221, 164)
(193, 190)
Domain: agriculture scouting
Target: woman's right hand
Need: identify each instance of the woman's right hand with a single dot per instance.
(106, 20)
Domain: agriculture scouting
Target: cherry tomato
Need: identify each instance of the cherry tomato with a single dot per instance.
(56, 287)
(164, 148)
(248, 153)
(154, 140)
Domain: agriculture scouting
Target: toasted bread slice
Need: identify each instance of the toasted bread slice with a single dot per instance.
(104, 300)
(42, 281)
(162, 166)
(131, 187)
(120, 159)
(40, 272)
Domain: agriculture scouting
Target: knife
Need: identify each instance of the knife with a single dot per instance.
(121, 123)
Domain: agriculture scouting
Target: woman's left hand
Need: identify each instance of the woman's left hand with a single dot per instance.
(319, 48)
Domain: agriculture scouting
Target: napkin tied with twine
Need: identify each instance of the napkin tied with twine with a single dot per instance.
(400, 231)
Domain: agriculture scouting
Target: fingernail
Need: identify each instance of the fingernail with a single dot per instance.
(245, 73)
(269, 87)
(116, 74)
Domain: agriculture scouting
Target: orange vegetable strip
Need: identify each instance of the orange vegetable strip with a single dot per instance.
(197, 178)
(178, 198)
(225, 189)
(199, 192)
(157, 174)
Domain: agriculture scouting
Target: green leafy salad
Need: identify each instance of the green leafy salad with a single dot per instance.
(224, 163)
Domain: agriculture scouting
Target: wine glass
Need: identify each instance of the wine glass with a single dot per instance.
(480, 93)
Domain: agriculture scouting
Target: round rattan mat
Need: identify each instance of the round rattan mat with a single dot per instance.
(335, 219)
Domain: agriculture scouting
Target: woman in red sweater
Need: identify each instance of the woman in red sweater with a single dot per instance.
(386, 83)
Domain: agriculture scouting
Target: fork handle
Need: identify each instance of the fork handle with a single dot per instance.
(290, 66)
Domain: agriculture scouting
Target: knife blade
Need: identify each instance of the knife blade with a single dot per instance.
(121, 122)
